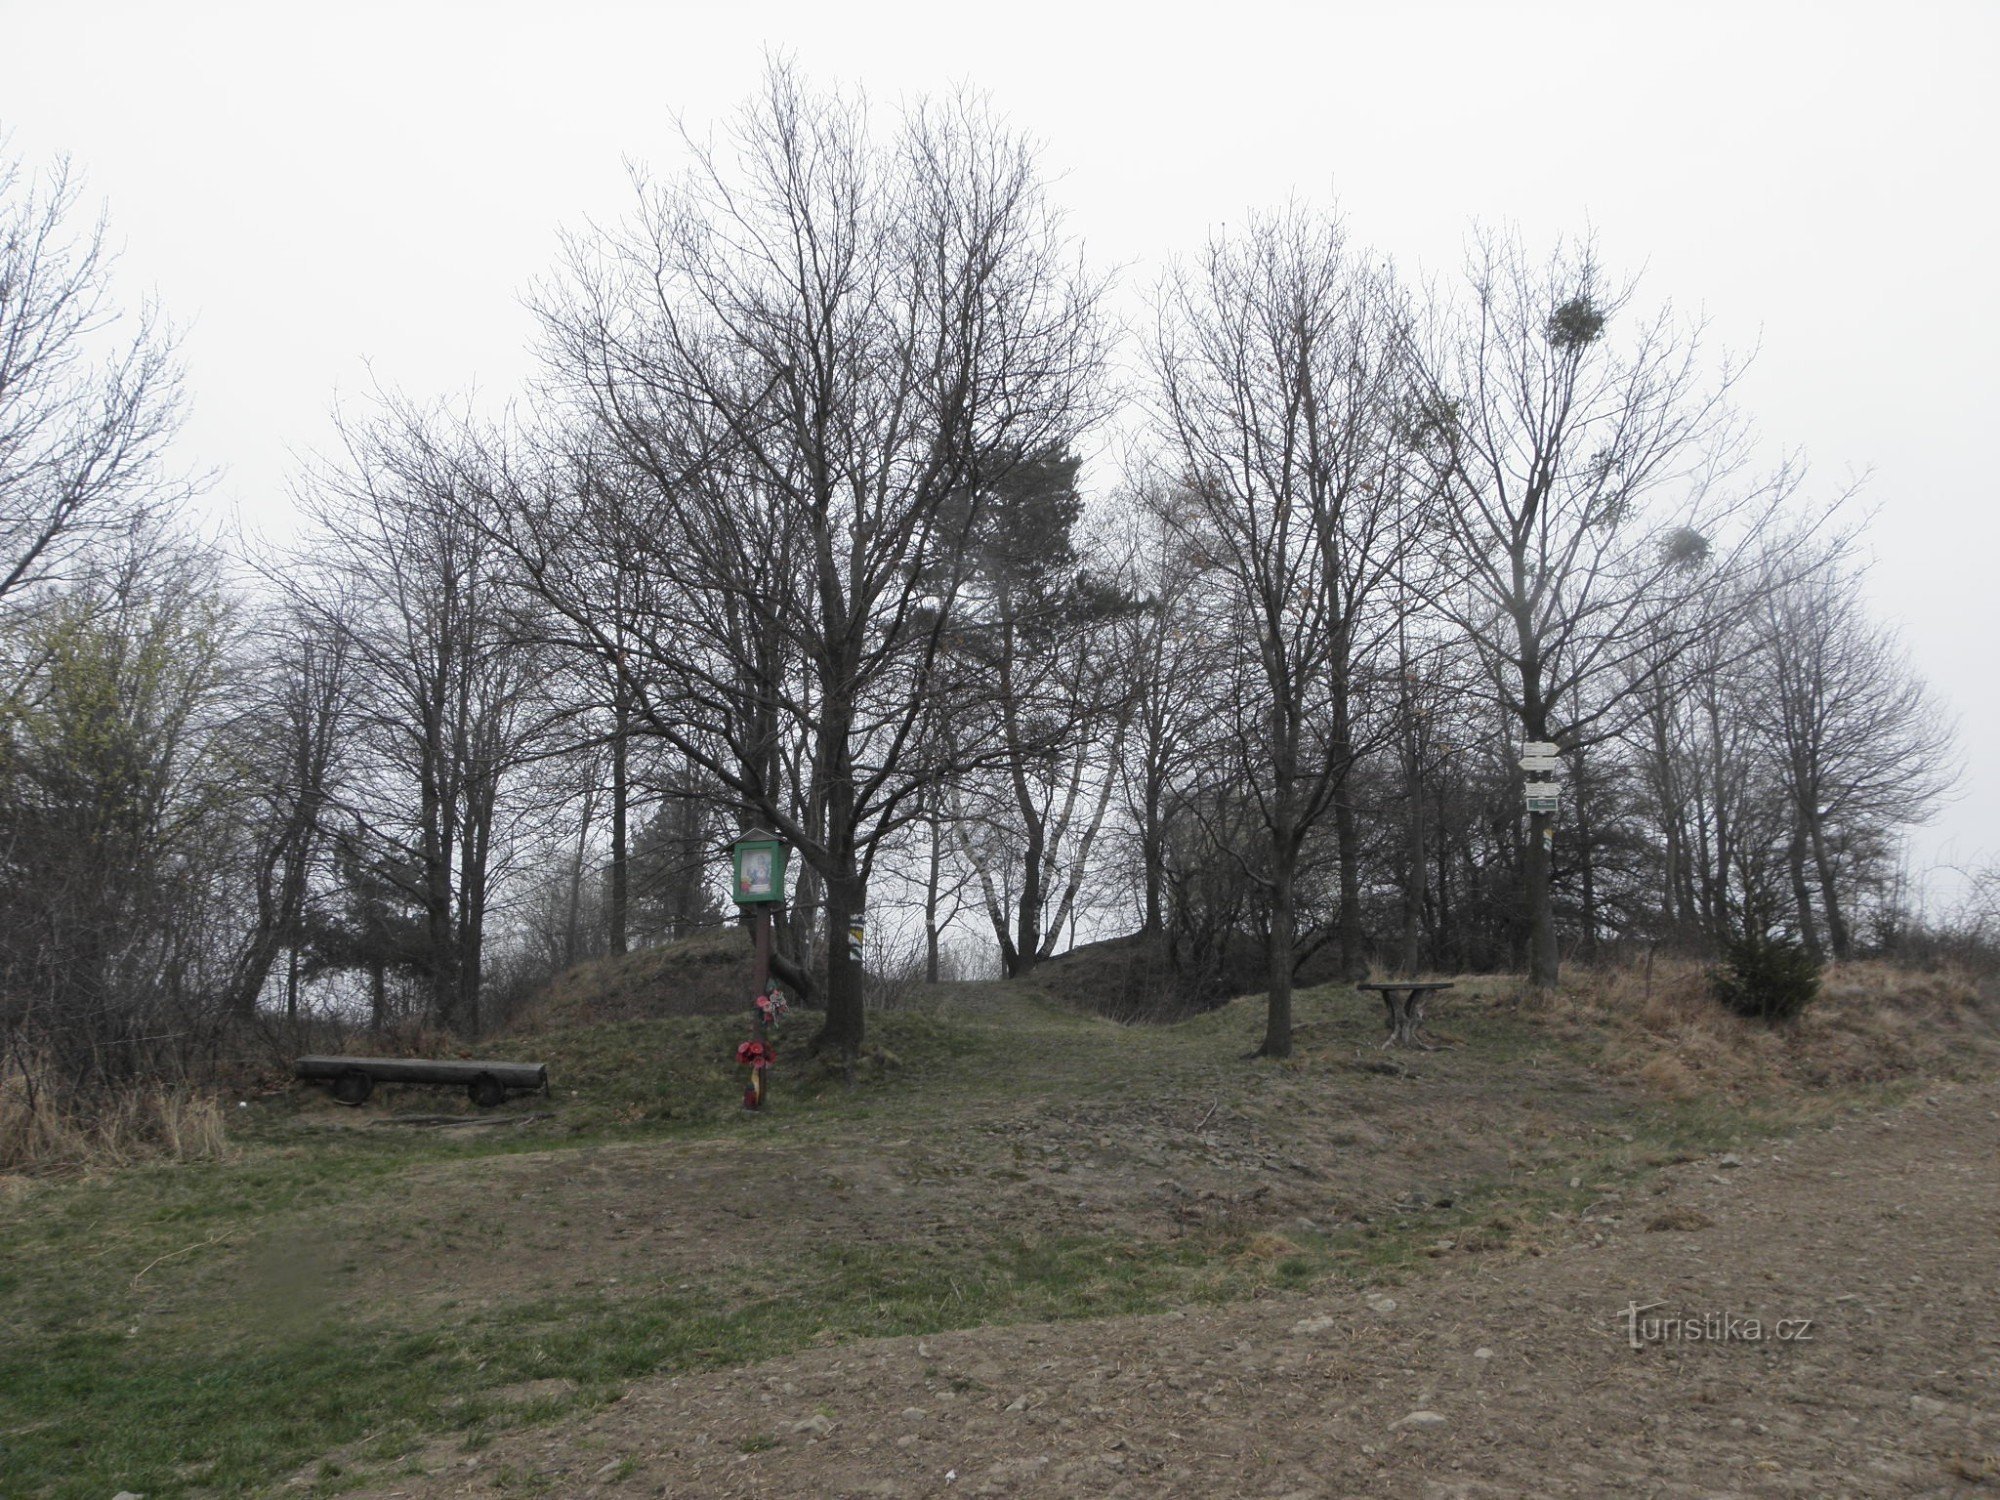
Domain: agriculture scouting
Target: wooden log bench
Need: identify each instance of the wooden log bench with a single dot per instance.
(353, 1079)
(1405, 1001)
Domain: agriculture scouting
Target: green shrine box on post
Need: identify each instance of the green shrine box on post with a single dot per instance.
(759, 869)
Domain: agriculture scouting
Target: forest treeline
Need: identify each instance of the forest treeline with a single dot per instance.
(843, 506)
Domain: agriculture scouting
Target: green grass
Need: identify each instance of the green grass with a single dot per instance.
(143, 1353)
(130, 1365)
(92, 1409)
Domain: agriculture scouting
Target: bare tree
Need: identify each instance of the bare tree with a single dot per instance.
(1859, 741)
(1172, 665)
(1586, 518)
(1426, 736)
(805, 353)
(1033, 664)
(447, 697)
(292, 742)
(89, 399)
(1278, 369)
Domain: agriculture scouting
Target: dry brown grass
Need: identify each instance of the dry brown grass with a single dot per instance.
(152, 1122)
(1267, 1247)
(1668, 1076)
(1872, 1023)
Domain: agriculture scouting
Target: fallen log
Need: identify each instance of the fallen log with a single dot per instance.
(486, 1082)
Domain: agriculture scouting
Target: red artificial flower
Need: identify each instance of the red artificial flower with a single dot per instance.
(754, 1055)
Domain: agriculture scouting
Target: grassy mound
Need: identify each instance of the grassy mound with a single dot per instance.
(705, 975)
(1875, 1023)
(682, 1070)
(1135, 977)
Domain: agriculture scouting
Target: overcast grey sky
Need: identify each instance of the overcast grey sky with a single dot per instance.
(314, 191)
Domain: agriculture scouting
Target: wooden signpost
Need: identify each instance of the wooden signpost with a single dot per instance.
(1540, 758)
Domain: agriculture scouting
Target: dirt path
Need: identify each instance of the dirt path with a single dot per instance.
(1495, 1378)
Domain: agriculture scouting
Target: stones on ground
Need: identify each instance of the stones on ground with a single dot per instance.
(915, 1414)
(816, 1425)
(1424, 1420)
(1482, 1352)
(1019, 1403)
(1729, 1159)
(1309, 1326)
(1377, 1302)
(1927, 1406)
(1010, 1473)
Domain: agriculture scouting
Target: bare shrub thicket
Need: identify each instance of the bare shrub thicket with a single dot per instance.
(44, 1126)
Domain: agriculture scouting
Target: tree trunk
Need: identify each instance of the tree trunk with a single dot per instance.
(441, 942)
(1028, 909)
(620, 734)
(1535, 862)
(795, 958)
(1278, 1007)
(473, 844)
(1346, 829)
(933, 878)
(1795, 859)
(1671, 875)
(574, 916)
(1586, 864)
(1836, 922)
(1413, 873)
(1347, 843)
(1153, 855)
(846, 900)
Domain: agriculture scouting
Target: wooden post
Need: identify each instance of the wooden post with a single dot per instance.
(760, 1016)
(760, 932)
